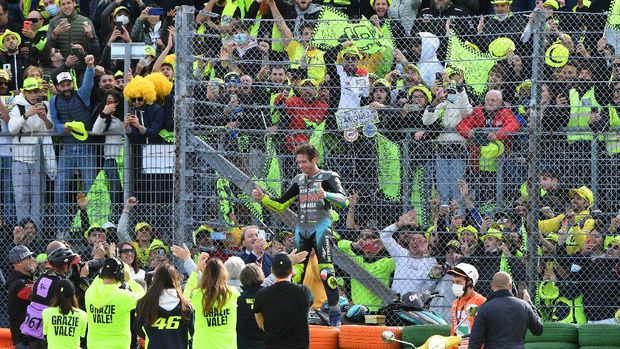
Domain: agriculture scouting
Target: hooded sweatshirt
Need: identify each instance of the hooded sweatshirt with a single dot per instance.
(173, 327)
(108, 307)
(429, 64)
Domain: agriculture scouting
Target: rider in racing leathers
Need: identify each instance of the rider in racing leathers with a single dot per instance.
(318, 190)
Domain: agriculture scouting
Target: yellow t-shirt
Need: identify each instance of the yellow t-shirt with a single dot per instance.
(109, 309)
(64, 331)
(577, 234)
(315, 60)
(217, 330)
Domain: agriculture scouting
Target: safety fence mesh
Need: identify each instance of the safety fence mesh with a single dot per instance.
(458, 118)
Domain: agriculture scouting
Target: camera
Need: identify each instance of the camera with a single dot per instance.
(75, 51)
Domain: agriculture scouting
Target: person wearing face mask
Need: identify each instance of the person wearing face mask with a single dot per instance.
(50, 9)
(445, 112)
(246, 51)
(463, 311)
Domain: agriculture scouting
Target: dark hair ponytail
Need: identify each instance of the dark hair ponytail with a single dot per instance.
(64, 297)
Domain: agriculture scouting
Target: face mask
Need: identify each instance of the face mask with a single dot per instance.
(501, 17)
(241, 38)
(458, 290)
(451, 98)
(52, 10)
(123, 18)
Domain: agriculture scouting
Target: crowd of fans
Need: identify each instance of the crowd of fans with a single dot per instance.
(267, 79)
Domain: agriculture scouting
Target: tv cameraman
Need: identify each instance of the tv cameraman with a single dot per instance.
(63, 263)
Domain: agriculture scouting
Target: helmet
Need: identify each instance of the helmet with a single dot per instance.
(114, 268)
(356, 313)
(465, 270)
(63, 256)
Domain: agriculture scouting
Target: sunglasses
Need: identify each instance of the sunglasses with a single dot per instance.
(128, 250)
(350, 58)
(2, 83)
(614, 247)
(34, 19)
(134, 100)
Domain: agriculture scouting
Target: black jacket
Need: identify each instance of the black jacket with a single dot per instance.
(19, 288)
(249, 335)
(501, 322)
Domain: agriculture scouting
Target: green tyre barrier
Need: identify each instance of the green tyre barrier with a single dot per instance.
(555, 332)
(419, 334)
(551, 345)
(595, 335)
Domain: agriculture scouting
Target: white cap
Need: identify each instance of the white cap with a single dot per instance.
(466, 270)
(63, 77)
(108, 225)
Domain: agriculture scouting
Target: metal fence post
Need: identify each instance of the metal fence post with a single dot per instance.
(127, 153)
(39, 168)
(182, 198)
(594, 167)
(406, 173)
(533, 155)
(499, 181)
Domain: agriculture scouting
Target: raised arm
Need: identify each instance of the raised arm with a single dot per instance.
(162, 56)
(287, 35)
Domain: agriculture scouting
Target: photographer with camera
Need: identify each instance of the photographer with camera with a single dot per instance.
(109, 302)
(30, 115)
(63, 263)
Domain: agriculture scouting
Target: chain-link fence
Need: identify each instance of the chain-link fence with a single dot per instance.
(499, 131)
(77, 192)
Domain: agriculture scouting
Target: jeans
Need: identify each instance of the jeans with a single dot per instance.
(73, 157)
(27, 190)
(114, 187)
(449, 172)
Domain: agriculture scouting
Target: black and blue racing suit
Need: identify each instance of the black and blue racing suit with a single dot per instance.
(313, 229)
